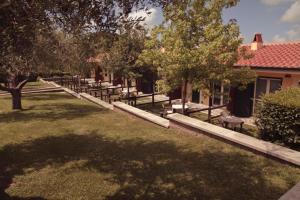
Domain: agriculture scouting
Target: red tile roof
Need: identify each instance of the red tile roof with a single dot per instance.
(280, 55)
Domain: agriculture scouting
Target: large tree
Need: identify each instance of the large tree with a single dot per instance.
(194, 46)
(23, 22)
(124, 52)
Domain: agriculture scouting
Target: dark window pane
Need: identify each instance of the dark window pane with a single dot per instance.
(261, 87)
(217, 94)
(275, 85)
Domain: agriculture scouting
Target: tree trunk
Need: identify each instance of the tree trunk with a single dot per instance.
(16, 94)
(16, 99)
(183, 99)
(128, 90)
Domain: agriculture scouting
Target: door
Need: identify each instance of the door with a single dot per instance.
(242, 106)
(196, 96)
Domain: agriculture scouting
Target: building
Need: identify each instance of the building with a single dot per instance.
(277, 66)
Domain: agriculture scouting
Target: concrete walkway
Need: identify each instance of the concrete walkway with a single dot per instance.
(148, 99)
(247, 120)
(261, 146)
(292, 194)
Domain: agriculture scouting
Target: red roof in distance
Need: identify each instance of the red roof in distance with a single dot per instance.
(273, 55)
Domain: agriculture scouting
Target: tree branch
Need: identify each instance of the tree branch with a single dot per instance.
(4, 88)
(22, 84)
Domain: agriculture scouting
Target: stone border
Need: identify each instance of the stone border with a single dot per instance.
(44, 90)
(42, 80)
(264, 147)
(71, 92)
(142, 114)
(292, 194)
(96, 101)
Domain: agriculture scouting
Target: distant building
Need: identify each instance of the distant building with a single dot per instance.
(277, 65)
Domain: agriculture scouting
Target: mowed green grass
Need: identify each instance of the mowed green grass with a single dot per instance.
(60, 147)
(36, 85)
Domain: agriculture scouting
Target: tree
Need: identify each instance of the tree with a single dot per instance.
(194, 46)
(124, 52)
(22, 22)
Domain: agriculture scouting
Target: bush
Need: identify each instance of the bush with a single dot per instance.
(278, 116)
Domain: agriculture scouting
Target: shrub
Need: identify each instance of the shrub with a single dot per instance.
(278, 116)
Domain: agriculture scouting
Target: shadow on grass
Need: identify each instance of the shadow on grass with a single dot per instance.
(143, 169)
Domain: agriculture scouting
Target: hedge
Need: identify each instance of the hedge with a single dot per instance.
(278, 116)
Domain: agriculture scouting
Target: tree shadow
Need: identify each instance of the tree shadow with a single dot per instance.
(144, 169)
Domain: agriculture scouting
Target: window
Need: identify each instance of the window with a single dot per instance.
(266, 86)
(221, 94)
(217, 96)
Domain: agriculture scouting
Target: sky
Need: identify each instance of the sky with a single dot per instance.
(277, 20)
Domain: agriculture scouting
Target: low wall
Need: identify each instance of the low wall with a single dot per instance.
(71, 92)
(292, 194)
(142, 114)
(44, 90)
(97, 101)
(257, 145)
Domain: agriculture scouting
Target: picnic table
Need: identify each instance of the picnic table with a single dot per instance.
(106, 84)
(232, 121)
(179, 107)
(132, 91)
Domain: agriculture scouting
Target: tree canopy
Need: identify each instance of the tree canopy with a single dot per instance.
(26, 24)
(194, 45)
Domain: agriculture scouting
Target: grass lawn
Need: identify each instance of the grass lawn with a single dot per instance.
(63, 148)
(36, 85)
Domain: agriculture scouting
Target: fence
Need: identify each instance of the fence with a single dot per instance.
(209, 109)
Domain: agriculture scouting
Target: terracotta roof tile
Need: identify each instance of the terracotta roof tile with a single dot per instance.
(280, 55)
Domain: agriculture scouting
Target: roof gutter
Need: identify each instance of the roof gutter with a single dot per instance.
(274, 69)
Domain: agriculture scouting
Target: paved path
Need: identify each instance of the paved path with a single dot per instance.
(157, 98)
(247, 120)
(292, 194)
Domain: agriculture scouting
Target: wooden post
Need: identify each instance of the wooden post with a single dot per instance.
(153, 99)
(108, 95)
(72, 82)
(128, 101)
(184, 95)
(210, 101)
(209, 109)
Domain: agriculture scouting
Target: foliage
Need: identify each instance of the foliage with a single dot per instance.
(278, 116)
(194, 45)
(125, 51)
(25, 25)
(23, 22)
